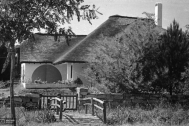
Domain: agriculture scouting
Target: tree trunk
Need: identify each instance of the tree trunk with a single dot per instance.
(13, 116)
(171, 89)
(170, 79)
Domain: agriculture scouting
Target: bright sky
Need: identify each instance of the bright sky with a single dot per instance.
(172, 9)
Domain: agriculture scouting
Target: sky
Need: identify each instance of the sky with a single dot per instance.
(172, 9)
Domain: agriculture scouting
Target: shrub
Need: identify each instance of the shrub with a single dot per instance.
(78, 81)
(45, 116)
(4, 84)
(24, 117)
(160, 115)
(39, 81)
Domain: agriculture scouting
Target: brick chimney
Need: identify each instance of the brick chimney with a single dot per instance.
(158, 14)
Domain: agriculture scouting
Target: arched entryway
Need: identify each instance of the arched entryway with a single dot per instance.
(47, 73)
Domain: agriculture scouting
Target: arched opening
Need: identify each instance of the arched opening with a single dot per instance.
(47, 73)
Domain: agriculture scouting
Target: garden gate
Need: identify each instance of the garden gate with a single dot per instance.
(71, 101)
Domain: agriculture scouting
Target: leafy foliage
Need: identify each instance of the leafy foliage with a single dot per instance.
(165, 61)
(114, 62)
(6, 63)
(3, 54)
(18, 18)
(149, 15)
(187, 26)
(140, 60)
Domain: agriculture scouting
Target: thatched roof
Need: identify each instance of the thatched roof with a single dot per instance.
(45, 49)
(110, 28)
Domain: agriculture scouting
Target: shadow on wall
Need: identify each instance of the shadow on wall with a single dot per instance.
(47, 73)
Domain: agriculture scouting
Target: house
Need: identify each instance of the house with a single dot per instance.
(38, 56)
(44, 58)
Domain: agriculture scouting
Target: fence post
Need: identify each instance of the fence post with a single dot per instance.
(59, 96)
(61, 107)
(86, 109)
(82, 92)
(77, 101)
(48, 103)
(39, 102)
(57, 102)
(104, 111)
(92, 106)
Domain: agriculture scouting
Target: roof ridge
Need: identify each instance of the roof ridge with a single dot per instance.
(120, 16)
(123, 16)
(56, 34)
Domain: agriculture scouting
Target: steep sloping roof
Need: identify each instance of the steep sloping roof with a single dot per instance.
(44, 48)
(110, 28)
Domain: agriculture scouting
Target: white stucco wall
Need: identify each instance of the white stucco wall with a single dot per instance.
(29, 68)
(63, 70)
(22, 73)
(69, 71)
(77, 71)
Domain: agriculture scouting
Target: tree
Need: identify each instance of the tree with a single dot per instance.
(187, 26)
(19, 17)
(167, 60)
(114, 62)
(187, 30)
(3, 54)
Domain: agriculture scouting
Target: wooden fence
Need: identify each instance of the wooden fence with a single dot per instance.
(58, 105)
(155, 98)
(7, 121)
(71, 101)
(107, 97)
(141, 98)
(95, 103)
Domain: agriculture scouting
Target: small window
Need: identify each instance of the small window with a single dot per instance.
(23, 72)
(71, 71)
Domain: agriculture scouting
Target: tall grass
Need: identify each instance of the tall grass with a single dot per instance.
(161, 115)
(164, 114)
(24, 117)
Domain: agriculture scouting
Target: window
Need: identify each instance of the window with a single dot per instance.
(71, 73)
(23, 72)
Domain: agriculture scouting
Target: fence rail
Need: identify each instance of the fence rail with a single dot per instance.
(93, 102)
(140, 98)
(6, 121)
(71, 101)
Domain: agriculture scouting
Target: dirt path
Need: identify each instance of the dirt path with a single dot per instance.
(76, 118)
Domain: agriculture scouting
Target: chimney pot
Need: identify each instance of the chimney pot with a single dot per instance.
(158, 14)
